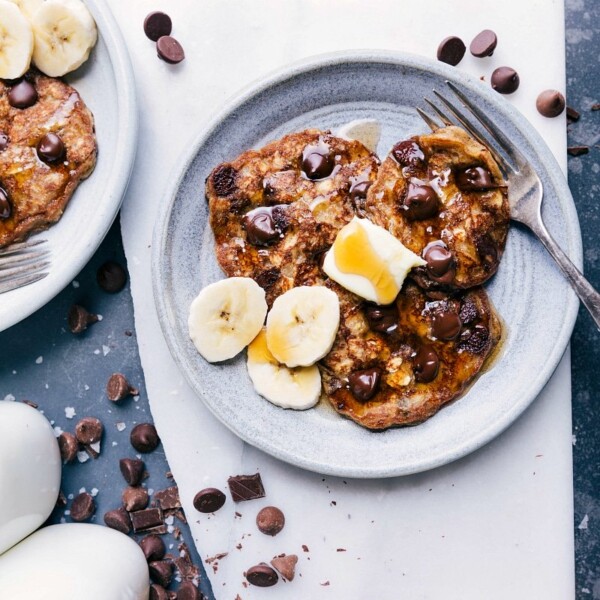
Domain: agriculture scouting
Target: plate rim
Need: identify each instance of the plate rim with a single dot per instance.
(332, 59)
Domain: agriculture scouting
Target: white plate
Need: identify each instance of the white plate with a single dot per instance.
(106, 84)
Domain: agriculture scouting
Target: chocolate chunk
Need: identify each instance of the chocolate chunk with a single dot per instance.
(224, 180)
(68, 446)
(111, 277)
(266, 224)
(268, 278)
(408, 154)
(262, 575)
(167, 499)
(317, 161)
(468, 312)
(420, 202)
(79, 318)
(170, 50)
(161, 572)
(446, 325)
(573, 115)
(286, 565)
(550, 103)
(5, 205)
(209, 500)
(22, 94)
(578, 150)
(476, 340)
(505, 80)
(270, 520)
(83, 507)
(118, 388)
(4, 139)
(383, 319)
(144, 438)
(158, 592)
(188, 591)
(132, 470)
(441, 265)
(484, 44)
(426, 364)
(135, 498)
(153, 547)
(51, 149)
(89, 430)
(364, 384)
(118, 519)
(157, 24)
(149, 518)
(451, 50)
(474, 179)
(246, 487)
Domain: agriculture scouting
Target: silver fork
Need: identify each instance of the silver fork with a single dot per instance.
(525, 188)
(23, 264)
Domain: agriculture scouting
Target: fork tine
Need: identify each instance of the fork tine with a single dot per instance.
(16, 272)
(20, 282)
(22, 258)
(431, 123)
(21, 246)
(445, 120)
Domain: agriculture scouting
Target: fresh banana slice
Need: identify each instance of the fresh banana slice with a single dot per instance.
(65, 33)
(365, 131)
(16, 41)
(28, 7)
(302, 325)
(298, 388)
(226, 316)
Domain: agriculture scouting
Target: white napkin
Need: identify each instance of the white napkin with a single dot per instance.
(495, 525)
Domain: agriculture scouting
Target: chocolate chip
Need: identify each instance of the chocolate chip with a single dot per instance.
(426, 364)
(484, 44)
(158, 592)
(118, 388)
(451, 50)
(132, 470)
(148, 518)
(270, 520)
(22, 94)
(446, 325)
(474, 179)
(79, 318)
(68, 446)
(246, 487)
(170, 50)
(5, 205)
(408, 154)
(51, 149)
(359, 189)
(111, 277)
(578, 150)
(4, 139)
(265, 225)
(153, 547)
(420, 202)
(286, 565)
(89, 430)
(167, 499)
(118, 519)
(262, 575)
(383, 319)
(83, 507)
(188, 591)
(157, 24)
(550, 103)
(144, 438)
(476, 340)
(161, 572)
(317, 161)
(224, 180)
(505, 80)
(364, 384)
(268, 278)
(135, 498)
(209, 500)
(441, 265)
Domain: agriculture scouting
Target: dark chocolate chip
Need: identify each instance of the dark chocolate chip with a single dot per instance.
(157, 24)
(451, 50)
(89, 430)
(262, 575)
(135, 498)
(224, 180)
(79, 318)
(474, 179)
(420, 202)
(270, 520)
(68, 446)
(118, 388)
(359, 189)
(446, 325)
(286, 565)
(268, 278)
(149, 518)
(118, 519)
(578, 150)
(408, 154)
(246, 487)
(484, 44)
(144, 438)
(505, 80)
(317, 161)
(4, 139)
(22, 94)
(426, 364)
(132, 470)
(111, 277)
(170, 50)
(550, 103)
(158, 592)
(161, 572)
(364, 384)
(383, 319)
(266, 224)
(188, 591)
(441, 265)
(51, 149)
(476, 340)
(167, 499)
(5, 205)
(209, 500)
(153, 547)
(83, 507)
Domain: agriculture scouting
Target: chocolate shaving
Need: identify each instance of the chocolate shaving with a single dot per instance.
(246, 487)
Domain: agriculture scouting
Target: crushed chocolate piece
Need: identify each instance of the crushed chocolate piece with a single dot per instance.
(578, 150)
(118, 519)
(144, 520)
(572, 114)
(286, 565)
(341, 550)
(305, 548)
(168, 498)
(595, 107)
(178, 514)
(187, 569)
(246, 487)
(325, 583)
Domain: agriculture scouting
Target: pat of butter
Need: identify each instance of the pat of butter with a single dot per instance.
(369, 261)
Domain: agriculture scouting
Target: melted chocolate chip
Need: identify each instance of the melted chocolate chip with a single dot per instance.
(265, 225)
(468, 312)
(224, 180)
(408, 154)
(446, 325)
(317, 161)
(484, 44)
(441, 265)
(262, 575)
(359, 189)
(51, 148)
(420, 202)
(267, 279)
(426, 364)
(474, 179)
(4, 139)
(364, 384)
(5, 205)
(383, 319)
(22, 95)
(451, 50)
(550, 103)
(475, 340)
(505, 80)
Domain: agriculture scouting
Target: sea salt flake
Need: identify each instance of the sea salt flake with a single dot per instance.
(70, 412)
(584, 523)
(83, 457)
(39, 360)
(121, 426)
(105, 350)
(100, 317)
(75, 283)
(57, 431)
(94, 492)
(9, 398)
(96, 351)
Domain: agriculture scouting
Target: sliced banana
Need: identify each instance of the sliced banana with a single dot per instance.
(226, 316)
(302, 325)
(298, 388)
(365, 131)
(65, 33)
(28, 7)
(16, 41)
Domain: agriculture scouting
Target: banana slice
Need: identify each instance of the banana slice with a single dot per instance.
(365, 131)
(298, 388)
(302, 325)
(16, 41)
(28, 7)
(226, 316)
(65, 33)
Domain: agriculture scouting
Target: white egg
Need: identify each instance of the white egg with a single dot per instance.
(30, 470)
(75, 561)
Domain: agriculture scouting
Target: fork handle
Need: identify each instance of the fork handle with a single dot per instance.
(583, 288)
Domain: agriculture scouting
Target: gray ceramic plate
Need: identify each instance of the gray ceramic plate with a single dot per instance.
(106, 84)
(528, 291)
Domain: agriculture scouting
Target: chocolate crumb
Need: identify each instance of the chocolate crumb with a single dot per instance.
(246, 487)
(596, 106)
(578, 150)
(572, 114)
(305, 548)
(30, 403)
(326, 583)
(168, 498)
(341, 550)
(61, 501)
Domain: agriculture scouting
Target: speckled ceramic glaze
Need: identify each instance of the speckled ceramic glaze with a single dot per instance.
(107, 86)
(534, 301)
